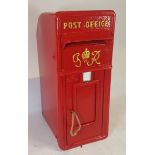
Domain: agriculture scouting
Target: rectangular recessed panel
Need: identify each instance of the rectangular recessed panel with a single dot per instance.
(86, 57)
(85, 102)
(88, 106)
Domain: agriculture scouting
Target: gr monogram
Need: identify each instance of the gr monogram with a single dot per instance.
(87, 57)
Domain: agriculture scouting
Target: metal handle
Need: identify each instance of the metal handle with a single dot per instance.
(72, 132)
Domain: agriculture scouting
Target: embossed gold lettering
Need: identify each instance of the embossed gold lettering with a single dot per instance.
(91, 24)
(96, 55)
(87, 58)
(65, 25)
(95, 24)
(107, 23)
(72, 25)
(77, 60)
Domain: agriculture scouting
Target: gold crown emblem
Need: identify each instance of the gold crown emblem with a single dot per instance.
(85, 54)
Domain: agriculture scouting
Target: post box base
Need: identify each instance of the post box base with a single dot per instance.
(67, 147)
(79, 144)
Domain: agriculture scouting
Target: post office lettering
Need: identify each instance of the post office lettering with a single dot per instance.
(97, 24)
(72, 25)
(91, 24)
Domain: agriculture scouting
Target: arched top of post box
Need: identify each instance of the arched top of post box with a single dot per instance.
(85, 12)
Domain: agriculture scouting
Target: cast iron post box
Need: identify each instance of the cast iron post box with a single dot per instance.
(75, 59)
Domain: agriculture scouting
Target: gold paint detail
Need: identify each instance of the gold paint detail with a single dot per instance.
(77, 60)
(96, 55)
(89, 58)
(85, 55)
(72, 131)
(72, 25)
(103, 22)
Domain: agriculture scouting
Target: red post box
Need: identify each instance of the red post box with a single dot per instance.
(75, 59)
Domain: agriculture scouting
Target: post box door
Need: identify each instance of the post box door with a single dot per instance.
(84, 106)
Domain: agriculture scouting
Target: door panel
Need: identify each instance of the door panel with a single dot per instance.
(85, 99)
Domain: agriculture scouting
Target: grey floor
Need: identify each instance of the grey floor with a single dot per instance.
(42, 141)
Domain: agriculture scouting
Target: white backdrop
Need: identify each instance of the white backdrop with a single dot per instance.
(41, 140)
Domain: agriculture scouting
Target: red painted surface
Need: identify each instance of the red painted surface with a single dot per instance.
(63, 40)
